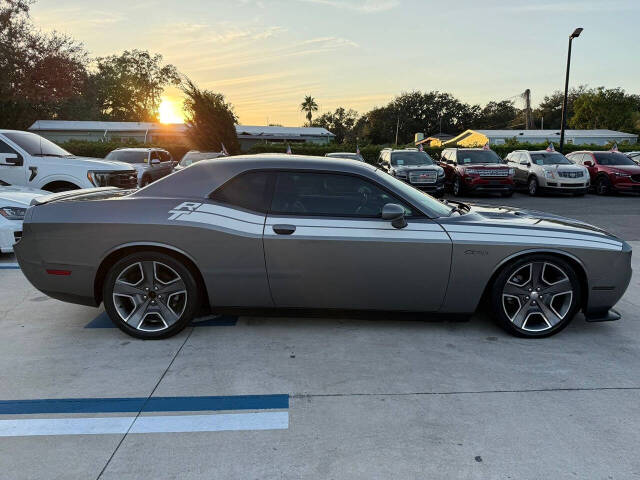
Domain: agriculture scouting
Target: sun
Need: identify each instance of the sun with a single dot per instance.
(170, 112)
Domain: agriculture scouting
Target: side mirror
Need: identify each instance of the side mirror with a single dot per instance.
(588, 163)
(155, 161)
(395, 213)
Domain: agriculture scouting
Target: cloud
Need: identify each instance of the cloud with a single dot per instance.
(363, 6)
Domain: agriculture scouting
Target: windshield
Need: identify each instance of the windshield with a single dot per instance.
(613, 158)
(192, 157)
(129, 156)
(477, 156)
(550, 159)
(417, 197)
(36, 145)
(410, 158)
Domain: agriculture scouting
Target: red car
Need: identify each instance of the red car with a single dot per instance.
(476, 170)
(609, 171)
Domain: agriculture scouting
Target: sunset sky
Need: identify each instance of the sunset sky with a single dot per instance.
(266, 55)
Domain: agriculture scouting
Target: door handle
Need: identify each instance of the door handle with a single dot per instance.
(284, 229)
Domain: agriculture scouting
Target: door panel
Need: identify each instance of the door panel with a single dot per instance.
(348, 263)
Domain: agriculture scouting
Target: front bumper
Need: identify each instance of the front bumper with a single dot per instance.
(480, 184)
(626, 185)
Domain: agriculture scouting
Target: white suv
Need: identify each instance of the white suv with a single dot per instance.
(30, 160)
(551, 171)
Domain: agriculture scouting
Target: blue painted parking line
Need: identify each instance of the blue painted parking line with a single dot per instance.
(9, 266)
(103, 321)
(135, 404)
(270, 412)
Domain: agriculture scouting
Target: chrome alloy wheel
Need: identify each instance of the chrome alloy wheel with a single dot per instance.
(149, 296)
(537, 296)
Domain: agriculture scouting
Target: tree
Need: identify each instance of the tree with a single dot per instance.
(309, 105)
(42, 74)
(497, 115)
(340, 123)
(129, 86)
(550, 109)
(210, 120)
(611, 109)
(414, 112)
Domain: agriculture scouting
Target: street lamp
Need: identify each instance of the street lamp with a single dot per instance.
(576, 33)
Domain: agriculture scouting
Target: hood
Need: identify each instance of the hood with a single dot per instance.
(626, 169)
(564, 168)
(484, 165)
(418, 167)
(531, 219)
(13, 196)
(90, 163)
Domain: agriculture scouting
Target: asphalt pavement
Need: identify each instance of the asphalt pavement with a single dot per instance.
(309, 397)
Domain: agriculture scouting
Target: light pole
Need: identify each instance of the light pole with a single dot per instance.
(576, 33)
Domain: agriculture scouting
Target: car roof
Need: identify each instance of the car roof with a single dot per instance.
(205, 176)
(140, 149)
(341, 153)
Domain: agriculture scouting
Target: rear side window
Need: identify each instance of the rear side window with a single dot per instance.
(165, 157)
(250, 191)
(329, 195)
(4, 148)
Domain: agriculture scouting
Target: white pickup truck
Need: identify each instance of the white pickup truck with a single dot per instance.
(33, 161)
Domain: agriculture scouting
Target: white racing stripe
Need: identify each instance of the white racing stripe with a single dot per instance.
(147, 424)
(222, 222)
(333, 233)
(531, 232)
(531, 240)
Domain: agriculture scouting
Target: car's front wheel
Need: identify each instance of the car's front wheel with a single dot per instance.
(536, 297)
(533, 186)
(603, 186)
(150, 295)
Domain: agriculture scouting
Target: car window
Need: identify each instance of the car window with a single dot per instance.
(4, 148)
(549, 158)
(410, 158)
(612, 158)
(155, 155)
(165, 157)
(329, 194)
(478, 156)
(248, 190)
(128, 156)
(36, 145)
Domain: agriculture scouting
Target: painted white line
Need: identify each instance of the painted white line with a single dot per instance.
(212, 423)
(152, 424)
(9, 265)
(64, 426)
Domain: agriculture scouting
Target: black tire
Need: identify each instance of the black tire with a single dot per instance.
(527, 305)
(603, 186)
(458, 187)
(152, 326)
(58, 187)
(532, 186)
(145, 181)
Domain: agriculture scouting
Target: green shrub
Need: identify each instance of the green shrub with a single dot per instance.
(84, 148)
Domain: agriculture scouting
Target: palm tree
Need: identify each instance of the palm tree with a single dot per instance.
(309, 105)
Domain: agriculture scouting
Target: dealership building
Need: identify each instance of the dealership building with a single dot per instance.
(61, 131)
(474, 138)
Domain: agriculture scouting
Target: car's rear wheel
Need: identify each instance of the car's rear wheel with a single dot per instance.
(536, 297)
(457, 187)
(150, 295)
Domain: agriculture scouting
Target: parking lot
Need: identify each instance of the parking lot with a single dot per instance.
(378, 396)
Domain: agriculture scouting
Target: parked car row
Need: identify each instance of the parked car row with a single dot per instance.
(465, 171)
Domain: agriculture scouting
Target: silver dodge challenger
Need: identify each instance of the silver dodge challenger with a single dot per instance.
(296, 232)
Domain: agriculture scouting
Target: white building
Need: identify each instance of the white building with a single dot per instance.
(577, 137)
(60, 131)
